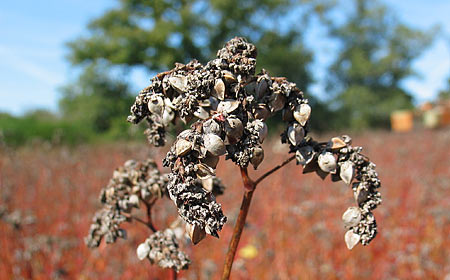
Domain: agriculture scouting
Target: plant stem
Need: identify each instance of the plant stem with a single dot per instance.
(268, 173)
(173, 274)
(249, 187)
(149, 217)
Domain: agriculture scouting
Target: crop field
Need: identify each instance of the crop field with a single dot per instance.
(294, 230)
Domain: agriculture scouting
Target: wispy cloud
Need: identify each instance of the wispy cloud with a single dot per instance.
(13, 59)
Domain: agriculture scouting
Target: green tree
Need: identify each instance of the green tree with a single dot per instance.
(376, 54)
(445, 93)
(153, 35)
(96, 100)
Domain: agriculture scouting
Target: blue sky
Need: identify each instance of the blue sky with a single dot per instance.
(33, 64)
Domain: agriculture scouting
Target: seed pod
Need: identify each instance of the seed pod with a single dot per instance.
(219, 90)
(277, 103)
(142, 251)
(201, 113)
(295, 134)
(346, 172)
(302, 113)
(351, 239)
(156, 105)
(262, 131)
(134, 200)
(361, 194)
(257, 157)
(337, 143)
(287, 115)
(261, 112)
(145, 194)
(234, 128)
(347, 139)
(179, 83)
(208, 184)
(204, 171)
(227, 106)
(327, 162)
(261, 88)
(211, 160)
(182, 147)
(351, 217)
(214, 144)
(196, 234)
(211, 126)
(168, 116)
(229, 77)
(304, 155)
(109, 193)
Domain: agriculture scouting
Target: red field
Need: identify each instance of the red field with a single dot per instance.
(294, 224)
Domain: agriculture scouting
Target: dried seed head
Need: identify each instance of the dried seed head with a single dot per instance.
(196, 234)
(346, 172)
(351, 217)
(302, 113)
(142, 251)
(351, 239)
(182, 147)
(327, 162)
(214, 144)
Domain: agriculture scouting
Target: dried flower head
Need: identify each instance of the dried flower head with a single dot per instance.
(346, 163)
(229, 105)
(162, 248)
(132, 183)
(226, 105)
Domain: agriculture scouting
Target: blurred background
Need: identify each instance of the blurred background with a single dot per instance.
(378, 70)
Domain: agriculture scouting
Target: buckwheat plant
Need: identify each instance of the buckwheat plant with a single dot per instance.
(227, 107)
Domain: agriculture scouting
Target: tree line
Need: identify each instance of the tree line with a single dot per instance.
(374, 54)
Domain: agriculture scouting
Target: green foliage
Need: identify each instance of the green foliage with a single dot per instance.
(156, 34)
(96, 100)
(375, 57)
(17, 131)
(445, 93)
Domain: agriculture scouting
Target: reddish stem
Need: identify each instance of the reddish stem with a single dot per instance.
(173, 274)
(249, 189)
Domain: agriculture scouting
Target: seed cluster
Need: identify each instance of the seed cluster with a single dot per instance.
(344, 162)
(15, 218)
(229, 105)
(130, 184)
(162, 248)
